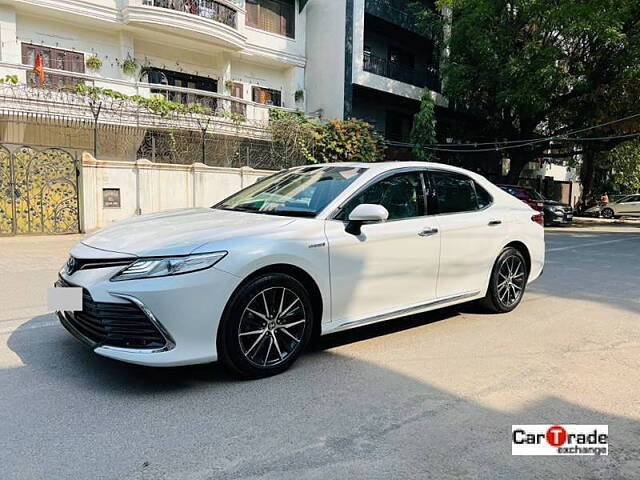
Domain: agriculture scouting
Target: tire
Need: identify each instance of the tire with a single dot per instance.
(266, 325)
(510, 266)
(607, 213)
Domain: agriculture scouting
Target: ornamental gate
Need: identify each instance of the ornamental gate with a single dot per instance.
(38, 191)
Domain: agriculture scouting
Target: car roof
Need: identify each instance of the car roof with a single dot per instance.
(379, 167)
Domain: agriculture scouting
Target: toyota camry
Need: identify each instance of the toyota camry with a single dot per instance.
(308, 251)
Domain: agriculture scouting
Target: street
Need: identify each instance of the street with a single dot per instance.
(427, 396)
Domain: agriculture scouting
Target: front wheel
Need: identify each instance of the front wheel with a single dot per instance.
(508, 282)
(607, 213)
(266, 325)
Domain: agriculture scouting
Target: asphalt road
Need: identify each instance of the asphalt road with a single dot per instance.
(428, 396)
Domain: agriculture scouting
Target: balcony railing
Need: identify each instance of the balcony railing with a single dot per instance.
(216, 11)
(250, 118)
(419, 78)
(397, 12)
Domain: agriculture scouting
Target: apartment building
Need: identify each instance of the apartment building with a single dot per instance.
(242, 56)
(370, 62)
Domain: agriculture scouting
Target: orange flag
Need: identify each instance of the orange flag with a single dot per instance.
(39, 69)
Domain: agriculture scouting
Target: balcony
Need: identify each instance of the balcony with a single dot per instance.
(420, 78)
(216, 11)
(397, 12)
(55, 99)
(213, 21)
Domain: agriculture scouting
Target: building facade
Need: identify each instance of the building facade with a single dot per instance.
(235, 55)
(370, 62)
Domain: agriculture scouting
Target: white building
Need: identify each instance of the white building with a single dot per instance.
(191, 50)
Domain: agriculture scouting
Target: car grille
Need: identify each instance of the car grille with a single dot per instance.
(122, 325)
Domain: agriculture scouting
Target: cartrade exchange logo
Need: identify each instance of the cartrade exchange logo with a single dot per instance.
(560, 440)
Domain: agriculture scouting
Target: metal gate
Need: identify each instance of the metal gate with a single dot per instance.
(38, 191)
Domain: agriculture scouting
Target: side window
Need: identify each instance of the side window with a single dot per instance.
(484, 197)
(402, 195)
(456, 193)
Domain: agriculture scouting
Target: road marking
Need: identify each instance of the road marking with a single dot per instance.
(592, 244)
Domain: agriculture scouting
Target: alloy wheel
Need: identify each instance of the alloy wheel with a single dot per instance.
(272, 326)
(511, 280)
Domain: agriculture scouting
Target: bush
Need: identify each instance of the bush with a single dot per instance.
(350, 140)
(298, 140)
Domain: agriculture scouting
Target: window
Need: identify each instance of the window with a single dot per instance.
(184, 80)
(484, 197)
(456, 193)
(303, 192)
(402, 195)
(267, 96)
(53, 58)
(275, 16)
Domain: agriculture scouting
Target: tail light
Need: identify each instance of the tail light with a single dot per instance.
(538, 218)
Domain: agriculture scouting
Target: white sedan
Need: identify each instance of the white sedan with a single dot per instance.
(308, 251)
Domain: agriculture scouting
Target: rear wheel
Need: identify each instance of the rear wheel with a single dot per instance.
(607, 213)
(266, 325)
(508, 282)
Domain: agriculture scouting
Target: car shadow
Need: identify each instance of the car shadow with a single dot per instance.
(333, 415)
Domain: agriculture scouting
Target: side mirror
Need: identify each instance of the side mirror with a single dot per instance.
(365, 213)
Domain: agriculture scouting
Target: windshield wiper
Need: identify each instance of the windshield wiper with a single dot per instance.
(291, 213)
(240, 209)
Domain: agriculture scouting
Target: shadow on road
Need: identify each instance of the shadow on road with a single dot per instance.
(331, 416)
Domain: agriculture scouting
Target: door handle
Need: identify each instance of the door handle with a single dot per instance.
(427, 232)
(494, 223)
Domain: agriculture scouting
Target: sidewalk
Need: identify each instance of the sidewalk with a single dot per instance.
(602, 225)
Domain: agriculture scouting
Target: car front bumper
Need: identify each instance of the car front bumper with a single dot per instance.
(185, 309)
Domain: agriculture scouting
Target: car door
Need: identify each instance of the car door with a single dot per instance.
(390, 265)
(629, 206)
(471, 229)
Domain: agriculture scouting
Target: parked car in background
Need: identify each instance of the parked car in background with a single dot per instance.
(627, 206)
(555, 213)
(309, 250)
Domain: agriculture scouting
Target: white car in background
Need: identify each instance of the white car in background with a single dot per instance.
(310, 250)
(628, 206)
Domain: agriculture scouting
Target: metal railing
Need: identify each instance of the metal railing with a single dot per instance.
(249, 116)
(420, 78)
(210, 9)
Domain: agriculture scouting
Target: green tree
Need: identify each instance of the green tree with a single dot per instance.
(536, 68)
(423, 132)
(623, 167)
(350, 140)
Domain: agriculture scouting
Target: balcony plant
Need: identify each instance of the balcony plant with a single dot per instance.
(229, 84)
(129, 66)
(94, 63)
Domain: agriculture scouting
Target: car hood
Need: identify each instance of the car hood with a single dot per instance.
(553, 203)
(180, 232)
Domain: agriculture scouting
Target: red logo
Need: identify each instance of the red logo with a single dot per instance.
(556, 436)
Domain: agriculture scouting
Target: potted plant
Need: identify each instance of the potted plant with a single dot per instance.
(94, 63)
(129, 66)
(229, 84)
(299, 95)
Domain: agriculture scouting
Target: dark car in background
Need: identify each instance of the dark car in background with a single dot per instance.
(555, 213)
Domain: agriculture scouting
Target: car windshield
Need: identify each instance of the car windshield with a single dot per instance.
(536, 195)
(302, 192)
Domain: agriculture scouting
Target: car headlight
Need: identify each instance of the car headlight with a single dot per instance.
(163, 267)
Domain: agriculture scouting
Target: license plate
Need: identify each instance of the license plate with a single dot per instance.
(64, 299)
(569, 217)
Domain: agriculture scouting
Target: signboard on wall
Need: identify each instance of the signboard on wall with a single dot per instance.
(111, 197)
